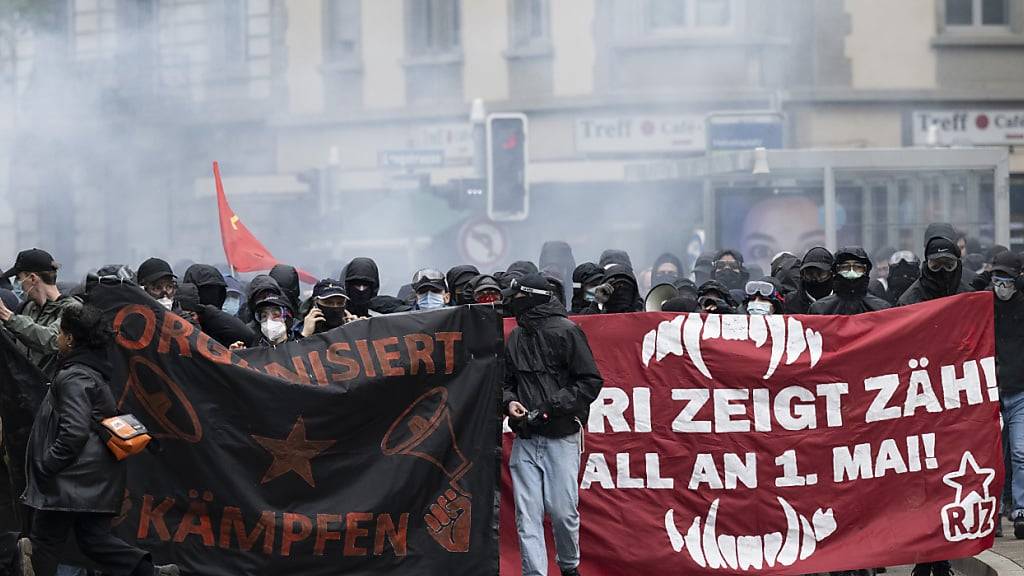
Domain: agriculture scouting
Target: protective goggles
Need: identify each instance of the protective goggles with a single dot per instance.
(515, 285)
(947, 264)
(903, 256)
(428, 273)
(858, 267)
(1004, 281)
(756, 287)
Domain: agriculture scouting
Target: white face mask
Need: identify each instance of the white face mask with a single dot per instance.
(759, 307)
(166, 302)
(430, 301)
(1004, 293)
(850, 274)
(273, 329)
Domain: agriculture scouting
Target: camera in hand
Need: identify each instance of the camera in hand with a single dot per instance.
(536, 417)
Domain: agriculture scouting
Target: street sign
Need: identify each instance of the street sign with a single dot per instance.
(745, 131)
(409, 159)
(482, 243)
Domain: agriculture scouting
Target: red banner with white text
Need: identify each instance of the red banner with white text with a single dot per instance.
(786, 445)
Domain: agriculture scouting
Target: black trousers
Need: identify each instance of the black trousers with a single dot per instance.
(93, 531)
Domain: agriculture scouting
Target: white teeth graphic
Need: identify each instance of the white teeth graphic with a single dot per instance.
(691, 339)
(683, 336)
(727, 544)
(647, 350)
(814, 343)
(712, 327)
(824, 524)
(772, 545)
(796, 344)
(734, 327)
(745, 553)
(668, 338)
(749, 550)
(777, 329)
(758, 330)
(791, 547)
(808, 544)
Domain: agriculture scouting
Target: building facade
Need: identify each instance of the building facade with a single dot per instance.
(119, 106)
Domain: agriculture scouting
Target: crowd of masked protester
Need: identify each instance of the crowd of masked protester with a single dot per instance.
(272, 308)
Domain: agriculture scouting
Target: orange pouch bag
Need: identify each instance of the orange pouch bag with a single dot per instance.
(125, 435)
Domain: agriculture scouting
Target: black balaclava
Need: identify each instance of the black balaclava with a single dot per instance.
(361, 271)
(941, 283)
(733, 279)
(457, 279)
(851, 288)
(624, 297)
(586, 274)
(822, 257)
(703, 266)
(556, 255)
(666, 278)
(613, 256)
(288, 279)
(901, 276)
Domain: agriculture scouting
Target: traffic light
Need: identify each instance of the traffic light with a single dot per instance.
(508, 193)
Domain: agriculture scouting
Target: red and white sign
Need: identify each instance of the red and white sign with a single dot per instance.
(968, 127)
(787, 445)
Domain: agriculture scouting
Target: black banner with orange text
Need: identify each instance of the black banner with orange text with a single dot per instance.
(370, 449)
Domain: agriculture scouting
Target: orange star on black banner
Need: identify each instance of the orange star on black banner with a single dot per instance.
(293, 454)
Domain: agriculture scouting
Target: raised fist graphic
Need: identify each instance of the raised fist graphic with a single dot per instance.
(448, 521)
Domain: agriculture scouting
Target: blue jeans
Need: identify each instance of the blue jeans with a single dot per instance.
(1013, 419)
(545, 477)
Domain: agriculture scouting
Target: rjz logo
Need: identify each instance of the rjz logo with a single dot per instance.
(972, 514)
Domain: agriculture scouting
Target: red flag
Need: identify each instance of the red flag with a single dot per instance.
(244, 252)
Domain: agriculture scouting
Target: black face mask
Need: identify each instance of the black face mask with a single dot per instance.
(664, 278)
(901, 276)
(731, 279)
(333, 317)
(818, 290)
(623, 299)
(855, 288)
(359, 300)
(520, 306)
(942, 282)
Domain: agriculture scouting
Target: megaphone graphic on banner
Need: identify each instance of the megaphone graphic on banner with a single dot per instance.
(658, 295)
(425, 431)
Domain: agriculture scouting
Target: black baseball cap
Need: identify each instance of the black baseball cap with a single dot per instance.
(152, 270)
(531, 284)
(941, 248)
(328, 288)
(34, 260)
(1007, 263)
(818, 257)
(428, 278)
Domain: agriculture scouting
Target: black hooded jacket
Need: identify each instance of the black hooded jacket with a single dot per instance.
(613, 306)
(614, 257)
(585, 274)
(288, 279)
(849, 297)
(521, 268)
(556, 257)
(361, 270)
(219, 325)
(213, 289)
(70, 468)
(1009, 343)
(457, 278)
(932, 285)
(549, 367)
